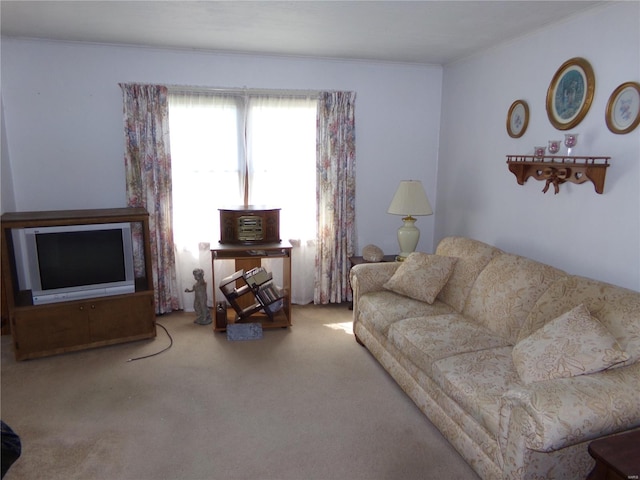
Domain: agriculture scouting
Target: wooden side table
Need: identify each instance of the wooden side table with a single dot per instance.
(249, 256)
(357, 260)
(617, 457)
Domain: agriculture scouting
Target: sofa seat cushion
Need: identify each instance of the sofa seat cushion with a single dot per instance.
(425, 340)
(379, 310)
(476, 381)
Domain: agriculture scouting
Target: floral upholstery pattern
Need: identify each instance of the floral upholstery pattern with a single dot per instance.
(454, 359)
(472, 258)
(421, 276)
(505, 292)
(477, 381)
(566, 411)
(427, 339)
(615, 307)
(573, 344)
(383, 309)
(473, 442)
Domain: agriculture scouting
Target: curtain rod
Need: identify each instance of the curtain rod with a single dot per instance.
(243, 91)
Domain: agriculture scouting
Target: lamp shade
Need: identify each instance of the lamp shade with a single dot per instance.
(410, 199)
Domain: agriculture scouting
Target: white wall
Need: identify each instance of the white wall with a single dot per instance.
(63, 112)
(577, 230)
(7, 202)
(63, 146)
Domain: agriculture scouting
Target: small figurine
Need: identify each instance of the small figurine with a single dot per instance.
(200, 300)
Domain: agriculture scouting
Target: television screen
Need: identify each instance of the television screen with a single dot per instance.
(69, 259)
(61, 263)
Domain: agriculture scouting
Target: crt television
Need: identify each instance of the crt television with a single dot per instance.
(72, 262)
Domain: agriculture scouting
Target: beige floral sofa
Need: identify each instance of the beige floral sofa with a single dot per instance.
(519, 365)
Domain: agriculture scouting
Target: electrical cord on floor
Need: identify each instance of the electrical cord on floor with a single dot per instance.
(161, 351)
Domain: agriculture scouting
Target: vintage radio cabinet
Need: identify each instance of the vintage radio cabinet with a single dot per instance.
(249, 225)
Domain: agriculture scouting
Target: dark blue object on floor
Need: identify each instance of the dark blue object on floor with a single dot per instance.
(11, 447)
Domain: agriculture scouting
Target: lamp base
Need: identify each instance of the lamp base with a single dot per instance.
(408, 236)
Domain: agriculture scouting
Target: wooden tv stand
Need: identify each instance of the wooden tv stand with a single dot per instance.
(42, 330)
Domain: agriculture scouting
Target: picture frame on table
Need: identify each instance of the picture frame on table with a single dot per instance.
(517, 119)
(570, 93)
(623, 108)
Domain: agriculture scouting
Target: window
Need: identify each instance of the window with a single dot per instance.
(235, 149)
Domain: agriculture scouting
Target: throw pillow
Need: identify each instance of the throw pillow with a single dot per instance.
(573, 344)
(421, 276)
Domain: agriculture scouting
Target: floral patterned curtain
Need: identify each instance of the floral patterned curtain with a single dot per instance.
(148, 176)
(336, 191)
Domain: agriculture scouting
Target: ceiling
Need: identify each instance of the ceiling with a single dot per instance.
(424, 32)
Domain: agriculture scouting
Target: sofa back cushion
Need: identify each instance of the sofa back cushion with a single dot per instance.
(472, 256)
(617, 308)
(505, 292)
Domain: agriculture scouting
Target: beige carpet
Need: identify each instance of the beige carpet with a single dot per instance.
(302, 403)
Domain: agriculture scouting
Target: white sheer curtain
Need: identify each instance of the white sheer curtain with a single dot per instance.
(214, 138)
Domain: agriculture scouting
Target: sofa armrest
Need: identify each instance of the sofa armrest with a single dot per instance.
(369, 277)
(553, 414)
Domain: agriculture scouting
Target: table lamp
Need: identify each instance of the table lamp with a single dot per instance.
(410, 199)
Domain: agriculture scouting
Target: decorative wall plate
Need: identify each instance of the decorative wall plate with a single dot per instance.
(570, 93)
(623, 108)
(517, 119)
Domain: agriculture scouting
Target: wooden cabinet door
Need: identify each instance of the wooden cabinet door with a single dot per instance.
(121, 318)
(50, 328)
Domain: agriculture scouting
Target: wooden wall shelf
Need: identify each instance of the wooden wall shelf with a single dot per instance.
(556, 170)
